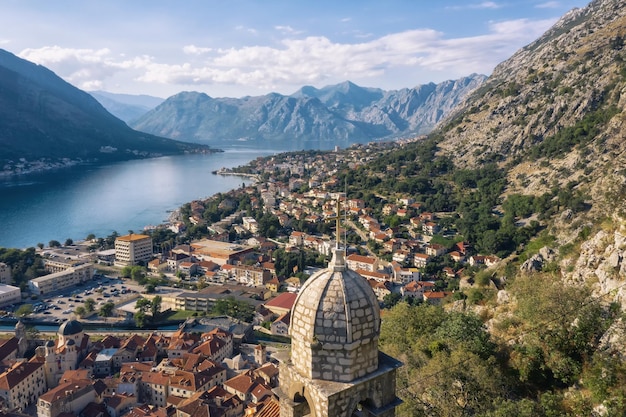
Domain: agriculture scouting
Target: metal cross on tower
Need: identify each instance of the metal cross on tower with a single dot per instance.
(337, 218)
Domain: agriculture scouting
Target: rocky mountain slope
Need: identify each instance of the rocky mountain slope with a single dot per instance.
(126, 107)
(43, 117)
(553, 117)
(340, 114)
(554, 112)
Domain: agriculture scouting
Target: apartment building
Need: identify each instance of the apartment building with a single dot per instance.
(9, 295)
(5, 273)
(133, 249)
(22, 384)
(61, 280)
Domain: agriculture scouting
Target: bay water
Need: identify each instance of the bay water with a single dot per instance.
(74, 202)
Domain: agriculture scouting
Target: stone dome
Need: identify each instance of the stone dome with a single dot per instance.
(70, 327)
(335, 325)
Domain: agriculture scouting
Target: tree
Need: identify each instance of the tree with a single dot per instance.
(40, 245)
(140, 318)
(138, 274)
(106, 310)
(24, 310)
(89, 304)
(392, 299)
(90, 237)
(80, 311)
(237, 309)
(54, 244)
(32, 333)
(69, 242)
(155, 306)
(142, 304)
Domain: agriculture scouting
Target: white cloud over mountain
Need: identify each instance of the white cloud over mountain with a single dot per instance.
(294, 61)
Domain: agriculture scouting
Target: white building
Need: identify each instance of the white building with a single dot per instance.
(133, 249)
(22, 384)
(61, 280)
(250, 224)
(9, 294)
(5, 273)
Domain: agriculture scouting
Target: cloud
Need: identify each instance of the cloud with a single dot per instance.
(196, 50)
(288, 30)
(83, 67)
(549, 5)
(247, 29)
(297, 61)
(345, 19)
(482, 5)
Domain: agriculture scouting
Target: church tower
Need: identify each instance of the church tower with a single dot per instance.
(335, 368)
(22, 340)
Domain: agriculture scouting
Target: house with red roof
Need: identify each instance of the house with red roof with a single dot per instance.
(282, 303)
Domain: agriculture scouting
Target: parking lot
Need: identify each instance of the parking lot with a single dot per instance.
(61, 306)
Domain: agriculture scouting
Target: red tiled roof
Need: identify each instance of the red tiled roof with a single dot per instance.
(17, 373)
(283, 300)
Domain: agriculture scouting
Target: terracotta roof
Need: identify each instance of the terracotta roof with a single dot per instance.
(210, 347)
(360, 258)
(17, 373)
(8, 347)
(270, 407)
(155, 378)
(285, 318)
(241, 383)
(283, 300)
(269, 370)
(146, 410)
(94, 410)
(132, 237)
(75, 375)
(63, 390)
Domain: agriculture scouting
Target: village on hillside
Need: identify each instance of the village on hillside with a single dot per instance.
(256, 252)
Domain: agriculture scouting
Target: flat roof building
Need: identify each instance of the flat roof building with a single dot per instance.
(61, 280)
(9, 295)
(219, 252)
(133, 249)
(5, 273)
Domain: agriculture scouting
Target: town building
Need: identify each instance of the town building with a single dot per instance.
(133, 249)
(251, 275)
(9, 295)
(22, 384)
(250, 224)
(365, 263)
(59, 281)
(219, 252)
(5, 273)
(69, 397)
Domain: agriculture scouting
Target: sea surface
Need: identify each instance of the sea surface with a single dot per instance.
(74, 202)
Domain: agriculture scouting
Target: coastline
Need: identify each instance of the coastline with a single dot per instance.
(39, 166)
(135, 196)
(228, 172)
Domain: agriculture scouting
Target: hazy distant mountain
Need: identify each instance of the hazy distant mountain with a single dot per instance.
(341, 113)
(127, 107)
(44, 117)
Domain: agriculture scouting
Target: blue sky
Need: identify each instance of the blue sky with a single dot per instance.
(242, 47)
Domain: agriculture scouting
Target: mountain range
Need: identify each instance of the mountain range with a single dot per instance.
(43, 118)
(341, 114)
(126, 107)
